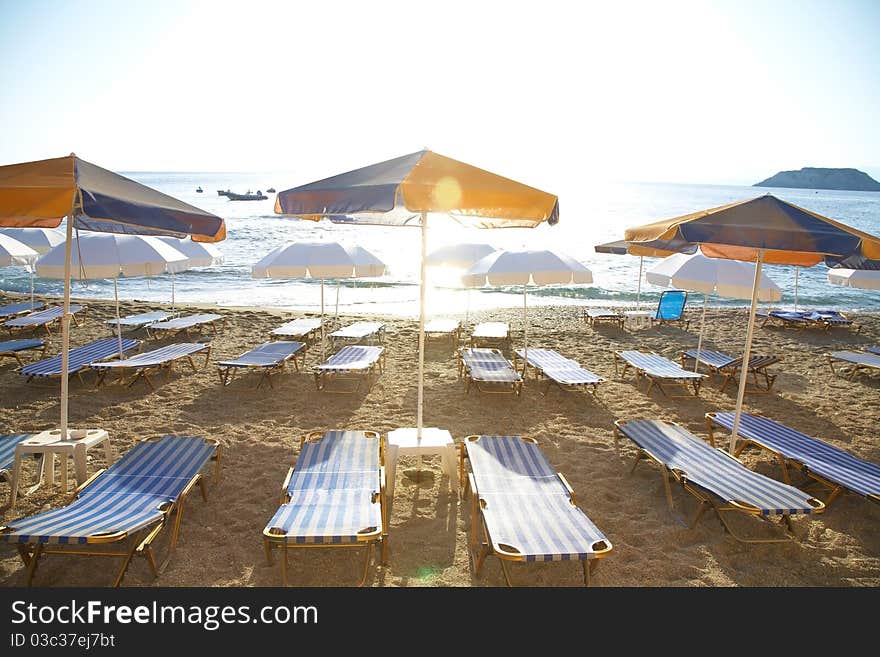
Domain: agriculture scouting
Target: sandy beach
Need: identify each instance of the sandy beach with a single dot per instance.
(221, 543)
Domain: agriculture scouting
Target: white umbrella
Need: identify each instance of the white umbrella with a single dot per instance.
(459, 256)
(862, 278)
(13, 252)
(538, 267)
(198, 254)
(41, 240)
(320, 260)
(111, 255)
(698, 273)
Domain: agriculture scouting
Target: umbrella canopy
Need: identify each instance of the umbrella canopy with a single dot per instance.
(42, 192)
(461, 255)
(406, 191)
(39, 239)
(13, 252)
(198, 254)
(533, 267)
(861, 278)
(762, 229)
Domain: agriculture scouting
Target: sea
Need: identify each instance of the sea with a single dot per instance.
(601, 215)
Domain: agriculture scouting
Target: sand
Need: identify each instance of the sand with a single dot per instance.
(220, 542)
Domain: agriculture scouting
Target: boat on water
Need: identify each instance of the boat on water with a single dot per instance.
(271, 190)
(199, 189)
(221, 192)
(259, 196)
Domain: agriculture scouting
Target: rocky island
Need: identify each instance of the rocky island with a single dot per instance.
(818, 178)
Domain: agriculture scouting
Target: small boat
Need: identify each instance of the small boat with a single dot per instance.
(271, 190)
(259, 196)
(220, 192)
(199, 189)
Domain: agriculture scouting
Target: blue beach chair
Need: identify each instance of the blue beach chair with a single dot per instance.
(670, 308)
(837, 470)
(269, 358)
(553, 367)
(150, 362)
(717, 479)
(120, 511)
(488, 371)
(856, 360)
(527, 509)
(140, 320)
(728, 367)
(13, 348)
(873, 350)
(14, 309)
(658, 371)
(7, 451)
(79, 358)
(44, 318)
(333, 498)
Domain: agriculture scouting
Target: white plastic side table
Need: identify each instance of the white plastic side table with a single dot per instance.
(49, 443)
(434, 442)
(635, 319)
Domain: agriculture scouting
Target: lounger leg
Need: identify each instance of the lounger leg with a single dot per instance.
(202, 489)
(125, 563)
(504, 569)
(700, 511)
(366, 564)
(589, 565)
(668, 490)
(267, 546)
(284, 565)
(32, 564)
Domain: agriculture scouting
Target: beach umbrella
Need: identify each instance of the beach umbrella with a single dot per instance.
(109, 255)
(13, 252)
(762, 230)
(43, 192)
(459, 256)
(535, 267)
(198, 254)
(622, 247)
(861, 278)
(318, 260)
(726, 278)
(40, 240)
(407, 191)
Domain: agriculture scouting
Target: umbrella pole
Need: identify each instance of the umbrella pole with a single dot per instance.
(702, 324)
(118, 325)
(172, 292)
(322, 320)
(467, 308)
(525, 331)
(744, 370)
(796, 272)
(423, 286)
(65, 327)
(639, 289)
(336, 314)
(32, 267)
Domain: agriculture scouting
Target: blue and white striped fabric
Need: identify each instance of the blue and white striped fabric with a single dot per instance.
(718, 360)
(873, 350)
(358, 330)
(125, 498)
(526, 507)
(7, 449)
(718, 473)
(657, 366)
(12, 309)
(857, 358)
(266, 355)
(333, 491)
(12, 346)
(41, 317)
(180, 323)
(156, 357)
(141, 319)
(352, 358)
(555, 366)
(827, 461)
(828, 317)
(79, 357)
(488, 366)
(298, 328)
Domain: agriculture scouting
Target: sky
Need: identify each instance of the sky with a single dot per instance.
(553, 93)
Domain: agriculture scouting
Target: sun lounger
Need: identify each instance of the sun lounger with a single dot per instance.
(7, 451)
(857, 361)
(270, 358)
(782, 318)
(140, 320)
(527, 509)
(150, 362)
(728, 367)
(444, 329)
(491, 334)
(333, 498)
(353, 362)
(488, 371)
(13, 348)
(79, 358)
(828, 319)
(120, 511)
(718, 480)
(184, 324)
(658, 371)
(670, 308)
(304, 329)
(873, 350)
(44, 318)
(14, 309)
(837, 470)
(553, 367)
(372, 332)
(603, 316)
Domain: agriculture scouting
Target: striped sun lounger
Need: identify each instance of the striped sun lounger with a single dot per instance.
(658, 371)
(527, 509)
(44, 318)
(333, 498)
(142, 319)
(717, 479)
(13, 348)
(556, 368)
(839, 471)
(14, 309)
(603, 316)
(304, 328)
(728, 367)
(828, 319)
(856, 360)
(873, 350)
(270, 358)
(444, 329)
(488, 371)
(354, 362)
(373, 332)
(151, 362)
(184, 324)
(79, 358)
(491, 333)
(120, 511)
(783, 318)
(7, 451)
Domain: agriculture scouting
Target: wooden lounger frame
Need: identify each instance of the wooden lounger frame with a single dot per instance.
(227, 372)
(855, 367)
(359, 376)
(657, 381)
(507, 387)
(144, 372)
